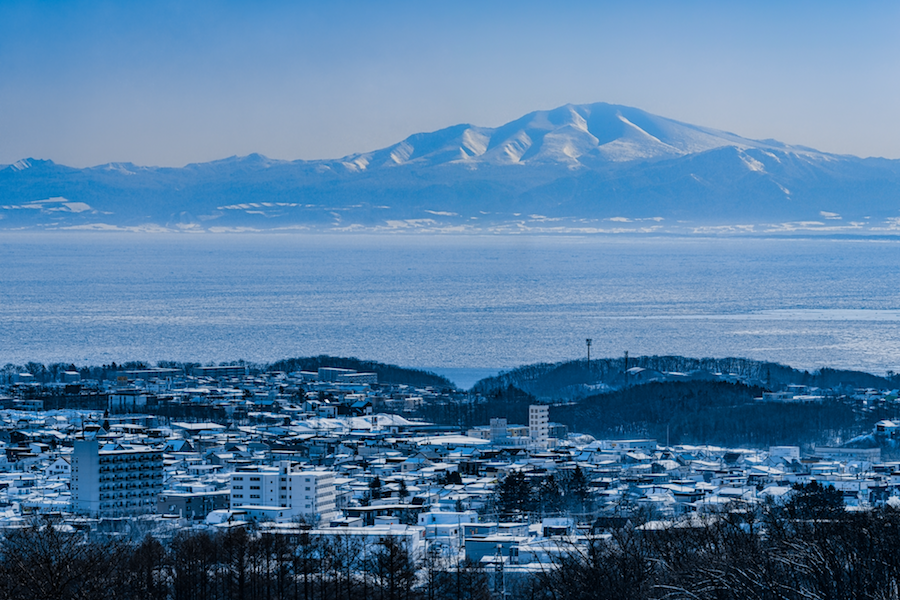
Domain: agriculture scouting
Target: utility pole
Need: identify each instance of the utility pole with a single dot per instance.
(589, 342)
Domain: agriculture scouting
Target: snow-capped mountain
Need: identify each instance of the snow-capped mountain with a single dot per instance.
(571, 135)
(577, 168)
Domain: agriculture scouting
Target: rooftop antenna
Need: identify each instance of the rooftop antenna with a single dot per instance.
(589, 341)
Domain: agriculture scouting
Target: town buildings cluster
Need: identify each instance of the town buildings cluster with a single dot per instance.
(332, 451)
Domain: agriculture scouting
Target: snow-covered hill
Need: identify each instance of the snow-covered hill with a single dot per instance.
(577, 168)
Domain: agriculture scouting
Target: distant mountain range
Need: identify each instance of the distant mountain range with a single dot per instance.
(575, 169)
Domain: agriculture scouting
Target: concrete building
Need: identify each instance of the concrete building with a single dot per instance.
(333, 373)
(308, 493)
(498, 431)
(217, 372)
(127, 400)
(539, 423)
(71, 376)
(360, 378)
(192, 505)
(338, 375)
(115, 479)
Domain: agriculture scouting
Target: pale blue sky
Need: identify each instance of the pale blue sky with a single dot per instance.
(168, 83)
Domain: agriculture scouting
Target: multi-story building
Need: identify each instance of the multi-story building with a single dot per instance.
(338, 375)
(308, 493)
(225, 371)
(539, 423)
(125, 400)
(192, 505)
(499, 431)
(115, 479)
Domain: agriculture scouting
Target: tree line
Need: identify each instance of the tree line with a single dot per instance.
(807, 547)
(682, 412)
(470, 410)
(520, 496)
(48, 559)
(389, 374)
(709, 412)
(566, 380)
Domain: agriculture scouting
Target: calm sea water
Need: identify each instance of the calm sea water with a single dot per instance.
(466, 305)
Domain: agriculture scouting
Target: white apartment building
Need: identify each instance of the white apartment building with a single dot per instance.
(539, 423)
(499, 431)
(303, 492)
(115, 479)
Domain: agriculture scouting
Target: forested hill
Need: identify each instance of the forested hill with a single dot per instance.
(386, 373)
(707, 412)
(684, 412)
(580, 378)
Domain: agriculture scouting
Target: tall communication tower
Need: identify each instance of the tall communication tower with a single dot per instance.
(589, 342)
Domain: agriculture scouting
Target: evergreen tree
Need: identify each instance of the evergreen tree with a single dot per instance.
(576, 491)
(549, 498)
(375, 490)
(514, 494)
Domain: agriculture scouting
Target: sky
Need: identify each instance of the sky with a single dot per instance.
(164, 83)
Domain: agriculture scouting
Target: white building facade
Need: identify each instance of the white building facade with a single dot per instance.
(115, 479)
(539, 423)
(309, 493)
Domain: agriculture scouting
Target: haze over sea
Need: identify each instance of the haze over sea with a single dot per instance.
(462, 306)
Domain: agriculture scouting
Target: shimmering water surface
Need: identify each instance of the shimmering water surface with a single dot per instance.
(469, 304)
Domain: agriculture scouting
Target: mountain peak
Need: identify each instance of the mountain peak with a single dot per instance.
(28, 163)
(577, 168)
(572, 135)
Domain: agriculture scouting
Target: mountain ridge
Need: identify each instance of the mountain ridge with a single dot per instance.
(593, 168)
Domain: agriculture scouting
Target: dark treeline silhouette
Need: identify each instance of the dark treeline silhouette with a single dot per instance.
(386, 373)
(806, 547)
(569, 379)
(521, 496)
(390, 374)
(49, 560)
(510, 403)
(682, 412)
(708, 412)
(549, 381)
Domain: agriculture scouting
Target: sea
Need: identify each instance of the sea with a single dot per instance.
(462, 306)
